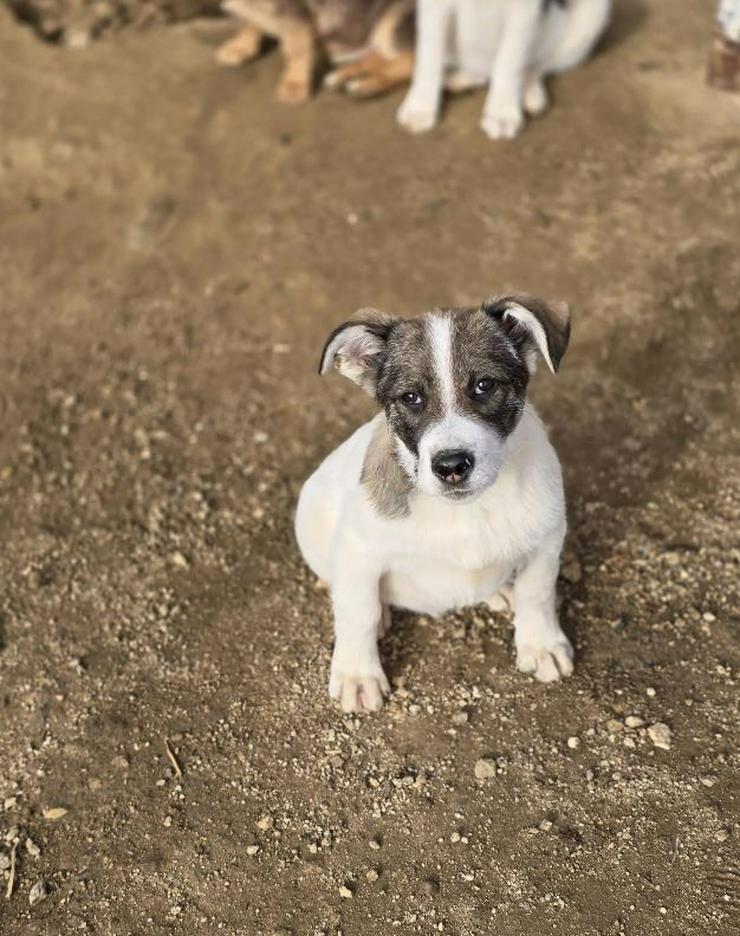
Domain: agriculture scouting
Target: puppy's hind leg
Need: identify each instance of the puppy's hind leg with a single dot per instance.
(503, 600)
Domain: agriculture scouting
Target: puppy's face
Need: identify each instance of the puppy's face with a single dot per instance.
(452, 384)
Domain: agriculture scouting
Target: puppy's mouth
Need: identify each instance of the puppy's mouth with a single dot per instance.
(459, 494)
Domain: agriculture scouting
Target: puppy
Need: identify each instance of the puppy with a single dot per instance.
(509, 45)
(373, 38)
(452, 495)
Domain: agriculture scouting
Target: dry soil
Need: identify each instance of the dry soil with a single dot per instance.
(174, 248)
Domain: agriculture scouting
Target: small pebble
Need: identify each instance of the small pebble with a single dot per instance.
(252, 850)
(54, 812)
(372, 875)
(634, 721)
(545, 825)
(32, 848)
(650, 692)
(179, 560)
(485, 769)
(265, 823)
(455, 838)
(38, 892)
(574, 742)
(707, 781)
(4, 861)
(374, 844)
(660, 735)
(572, 571)
(345, 892)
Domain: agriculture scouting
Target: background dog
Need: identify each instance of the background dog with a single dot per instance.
(372, 38)
(509, 45)
(448, 496)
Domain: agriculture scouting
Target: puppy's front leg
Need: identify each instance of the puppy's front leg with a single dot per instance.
(503, 113)
(420, 107)
(357, 679)
(542, 648)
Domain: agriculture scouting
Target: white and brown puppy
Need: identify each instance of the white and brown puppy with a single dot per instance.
(509, 45)
(448, 497)
(370, 40)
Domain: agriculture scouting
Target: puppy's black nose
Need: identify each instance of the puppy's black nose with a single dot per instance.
(453, 467)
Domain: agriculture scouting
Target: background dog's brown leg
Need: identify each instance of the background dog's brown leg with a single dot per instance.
(245, 45)
(299, 48)
(372, 74)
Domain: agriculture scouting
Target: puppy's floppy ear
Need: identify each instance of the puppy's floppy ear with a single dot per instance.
(357, 348)
(532, 323)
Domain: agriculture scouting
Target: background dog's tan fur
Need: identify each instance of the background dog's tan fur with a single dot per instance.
(376, 36)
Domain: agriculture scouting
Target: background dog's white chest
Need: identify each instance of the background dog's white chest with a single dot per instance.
(475, 34)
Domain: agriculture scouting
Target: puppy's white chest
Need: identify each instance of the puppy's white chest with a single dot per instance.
(451, 556)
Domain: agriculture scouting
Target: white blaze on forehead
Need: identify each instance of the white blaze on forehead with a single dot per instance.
(439, 329)
(454, 429)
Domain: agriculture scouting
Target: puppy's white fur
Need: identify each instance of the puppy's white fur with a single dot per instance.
(443, 554)
(509, 45)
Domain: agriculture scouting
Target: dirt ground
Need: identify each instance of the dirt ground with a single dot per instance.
(174, 248)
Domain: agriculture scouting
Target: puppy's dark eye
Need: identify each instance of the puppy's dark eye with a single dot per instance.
(412, 399)
(482, 387)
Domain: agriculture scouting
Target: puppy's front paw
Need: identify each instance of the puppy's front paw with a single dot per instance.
(356, 692)
(502, 123)
(547, 663)
(416, 115)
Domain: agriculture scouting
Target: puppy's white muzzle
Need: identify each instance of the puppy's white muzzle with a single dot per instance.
(456, 438)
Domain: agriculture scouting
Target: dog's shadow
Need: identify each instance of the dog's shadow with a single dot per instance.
(627, 18)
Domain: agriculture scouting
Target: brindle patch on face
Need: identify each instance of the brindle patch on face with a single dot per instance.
(479, 349)
(408, 367)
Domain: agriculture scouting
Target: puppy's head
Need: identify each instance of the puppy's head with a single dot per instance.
(452, 382)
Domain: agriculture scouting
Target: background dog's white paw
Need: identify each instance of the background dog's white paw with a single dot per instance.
(357, 693)
(416, 116)
(502, 125)
(536, 100)
(546, 663)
